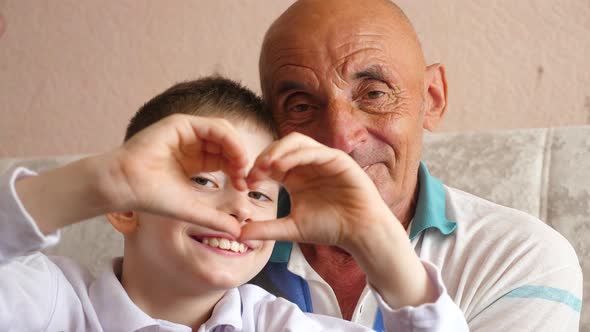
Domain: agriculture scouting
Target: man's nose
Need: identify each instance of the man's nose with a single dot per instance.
(343, 128)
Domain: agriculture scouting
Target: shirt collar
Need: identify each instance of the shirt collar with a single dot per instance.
(117, 312)
(228, 311)
(431, 208)
(430, 213)
(113, 306)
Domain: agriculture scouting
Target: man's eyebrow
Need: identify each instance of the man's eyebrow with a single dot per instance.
(373, 72)
(286, 86)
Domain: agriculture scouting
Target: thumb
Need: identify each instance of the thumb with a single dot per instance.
(282, 229)
(187, 208)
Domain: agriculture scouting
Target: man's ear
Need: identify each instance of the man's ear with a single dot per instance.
(435, 103)
(124, 222)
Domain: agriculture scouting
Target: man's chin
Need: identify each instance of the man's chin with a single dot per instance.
(382, 178)
(379, 174)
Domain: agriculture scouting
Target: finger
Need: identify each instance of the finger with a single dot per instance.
(283, 229)
(225, 151)
(220, 136)
(276, 150)
(213, 162)
(291, 142)
(184, 206)
(201, 135)
(212, 144)
(322, 161)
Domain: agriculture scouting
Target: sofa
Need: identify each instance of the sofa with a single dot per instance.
(545, 172)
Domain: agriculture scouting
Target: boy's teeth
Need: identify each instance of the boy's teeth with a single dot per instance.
(214, 243)
(225, 244)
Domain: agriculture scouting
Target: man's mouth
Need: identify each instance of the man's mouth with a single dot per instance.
(223, 244)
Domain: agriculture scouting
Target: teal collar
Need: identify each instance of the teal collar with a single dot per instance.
(431, 210)
(430, 213)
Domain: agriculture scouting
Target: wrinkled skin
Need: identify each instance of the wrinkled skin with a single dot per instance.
(352, 76)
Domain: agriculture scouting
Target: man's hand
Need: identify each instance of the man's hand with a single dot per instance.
(334, 202)
(150, 172)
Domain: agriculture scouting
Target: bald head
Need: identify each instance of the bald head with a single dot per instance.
(322, 20)
(319, 12)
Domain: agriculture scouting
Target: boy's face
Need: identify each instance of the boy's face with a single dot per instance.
(194, 256)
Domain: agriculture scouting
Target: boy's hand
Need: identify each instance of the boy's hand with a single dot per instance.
(156, 164)
(150, 172)
(333, 201)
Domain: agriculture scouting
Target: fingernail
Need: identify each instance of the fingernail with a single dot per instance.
(266, 161)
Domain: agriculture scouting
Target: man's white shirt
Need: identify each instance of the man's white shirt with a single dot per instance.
(505, 269)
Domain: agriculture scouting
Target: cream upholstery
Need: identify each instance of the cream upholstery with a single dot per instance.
(544, 172)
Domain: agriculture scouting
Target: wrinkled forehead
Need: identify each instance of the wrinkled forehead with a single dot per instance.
(336, 58)
(336, 47)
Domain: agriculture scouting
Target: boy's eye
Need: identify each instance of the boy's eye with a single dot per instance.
(259, 196)
(201, 181)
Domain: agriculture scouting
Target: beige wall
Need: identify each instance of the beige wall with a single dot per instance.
(73, 72)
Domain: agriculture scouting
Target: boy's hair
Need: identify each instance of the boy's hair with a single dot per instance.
(207, 96)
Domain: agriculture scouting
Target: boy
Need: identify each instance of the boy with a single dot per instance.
(177, 191)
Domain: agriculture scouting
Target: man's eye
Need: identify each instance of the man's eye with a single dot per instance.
(259, 196)
(300, 108)
(201, 181)
(375, 94)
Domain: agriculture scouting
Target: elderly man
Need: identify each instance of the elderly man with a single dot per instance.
(352, 75)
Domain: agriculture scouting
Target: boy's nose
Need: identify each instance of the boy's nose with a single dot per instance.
(237, 205)
(239, 218)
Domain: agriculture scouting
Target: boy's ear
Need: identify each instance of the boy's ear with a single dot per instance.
(124, 222)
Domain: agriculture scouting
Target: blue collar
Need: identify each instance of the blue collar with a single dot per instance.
(430, 213)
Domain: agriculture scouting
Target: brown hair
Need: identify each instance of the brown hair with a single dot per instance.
(207, 96)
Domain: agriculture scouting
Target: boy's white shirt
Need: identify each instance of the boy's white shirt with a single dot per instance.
(40, 293)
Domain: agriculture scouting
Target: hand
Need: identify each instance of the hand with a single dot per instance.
(333, 201)
(156, 165)
(150, 172)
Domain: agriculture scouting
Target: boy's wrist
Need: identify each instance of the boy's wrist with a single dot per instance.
(68, 194)
(113, 192)
(386, 255)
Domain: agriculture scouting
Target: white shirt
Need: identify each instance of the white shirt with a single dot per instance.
(505, 269)
(40, 293)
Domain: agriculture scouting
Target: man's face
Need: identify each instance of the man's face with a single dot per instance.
(355, 86)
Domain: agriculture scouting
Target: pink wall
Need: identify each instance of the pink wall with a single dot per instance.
(73, 72)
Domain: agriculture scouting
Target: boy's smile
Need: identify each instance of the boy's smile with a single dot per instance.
(223, 244)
